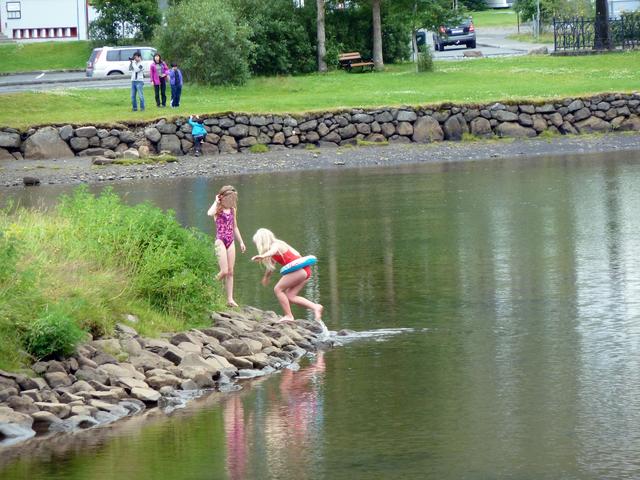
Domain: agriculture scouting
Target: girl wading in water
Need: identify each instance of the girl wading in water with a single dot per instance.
(224, 211)
(271, 250)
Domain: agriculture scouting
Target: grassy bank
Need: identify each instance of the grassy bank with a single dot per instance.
(31, 57)
(504, 17)
(546, 37)
(470, 81)
(82, 266)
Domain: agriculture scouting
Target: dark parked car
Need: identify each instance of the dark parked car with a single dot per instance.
(462, 34)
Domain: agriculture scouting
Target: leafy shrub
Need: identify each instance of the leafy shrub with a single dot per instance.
(208, 41)
(425, 59)
(53, 334)
(170, 266)
(283, 45)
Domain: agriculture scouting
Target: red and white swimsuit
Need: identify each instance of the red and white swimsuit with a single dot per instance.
(288, 257)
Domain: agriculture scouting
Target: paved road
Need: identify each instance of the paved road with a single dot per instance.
(492, 43)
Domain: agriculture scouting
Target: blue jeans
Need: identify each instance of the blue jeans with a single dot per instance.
(176, 91)
(137, 90)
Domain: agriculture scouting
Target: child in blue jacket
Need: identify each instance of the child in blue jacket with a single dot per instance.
(198, 133)
(175, 80)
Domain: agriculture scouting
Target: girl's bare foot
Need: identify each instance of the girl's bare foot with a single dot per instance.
(219, 276)
(317, 311)
(231, 303)
(286, 319)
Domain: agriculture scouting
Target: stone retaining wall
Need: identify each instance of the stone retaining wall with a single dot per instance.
(239, 132)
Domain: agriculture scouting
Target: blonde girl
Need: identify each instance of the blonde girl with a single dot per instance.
(224, 211)
(271, 250)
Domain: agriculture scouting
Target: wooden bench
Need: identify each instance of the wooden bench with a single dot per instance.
(352, 60)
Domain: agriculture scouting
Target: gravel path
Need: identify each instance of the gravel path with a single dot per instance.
(80, 170)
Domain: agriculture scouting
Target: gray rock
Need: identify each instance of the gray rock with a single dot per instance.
(239, 131)
(389, 129)
(630, 124)
(384, 117)
(514, 130)
(66, 132)
(406, 116)
(360, 118)
(308, 125)
(546, 108)
(167, 128)
(404, 128)
(127, 137)
(237, 347)
(426, 129)
(86, 132)
(593, 125)
(92, 152)
(331, 137)
(529, 109)
(575, 105)
(227, 144)
(46, 144)
(60, 410)
(349, 131)
(149, 361)
(102, 133)
(313, 137)
(5, 156)
(145, 395)
(9, 140)
(257, 120)
(152, 134)
(163, 380)
(567, 129)
(226, 122)
(278, 138)
(94, 141)
(42, 421)
(454, 128)
(58, 379)
(481, 127)
(376, 138)
(525, 120)
(247, 142)
(292, 140)
(170, 143)
(556, 119)
(23, 404)
(110, 142)
(505, 116)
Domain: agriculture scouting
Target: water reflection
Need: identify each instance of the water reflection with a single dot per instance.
(527, 277)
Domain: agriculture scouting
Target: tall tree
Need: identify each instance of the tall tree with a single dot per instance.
(322, 49)
(377, 34)
(602, 39)
(122, 19)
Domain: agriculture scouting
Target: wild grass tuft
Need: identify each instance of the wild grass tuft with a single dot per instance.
(259, 148)
(82, 266)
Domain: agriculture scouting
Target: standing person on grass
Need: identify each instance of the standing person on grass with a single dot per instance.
(224, 211)
(137, 81)
(198, 132)
(175, 80)
(271, 250)
(159, 73)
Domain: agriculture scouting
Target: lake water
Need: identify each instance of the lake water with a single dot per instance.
(518, 282)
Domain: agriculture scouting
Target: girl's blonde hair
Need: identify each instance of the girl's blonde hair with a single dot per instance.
(228, 198)
(264, 240)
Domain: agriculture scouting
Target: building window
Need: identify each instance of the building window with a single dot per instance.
(13, 11)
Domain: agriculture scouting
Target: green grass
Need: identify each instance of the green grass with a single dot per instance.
(533, 78)
(546, 37)
(163, 158)
(30, 57)
(92, 260)
(259, 148)
(505, 17)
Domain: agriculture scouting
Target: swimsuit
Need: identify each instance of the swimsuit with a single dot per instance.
(224, 228)
(288, 257)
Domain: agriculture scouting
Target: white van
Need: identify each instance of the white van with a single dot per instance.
(107, 61)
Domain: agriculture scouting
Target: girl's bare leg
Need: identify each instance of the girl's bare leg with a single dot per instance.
(221, 252)
(231, 261)
(285, 283)
(292, 295)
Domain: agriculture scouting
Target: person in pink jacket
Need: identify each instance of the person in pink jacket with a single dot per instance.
(159, 75)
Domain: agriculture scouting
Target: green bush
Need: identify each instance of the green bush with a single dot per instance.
(170, 266)
(209, 42)
(54, 334)
(425, 59)
(283, 45)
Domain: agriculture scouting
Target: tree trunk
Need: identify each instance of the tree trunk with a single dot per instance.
(602, 38)
(377, 35)
(322, 50)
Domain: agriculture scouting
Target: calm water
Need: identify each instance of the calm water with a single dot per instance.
(521, 282)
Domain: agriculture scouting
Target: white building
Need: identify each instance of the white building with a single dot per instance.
(45, 20)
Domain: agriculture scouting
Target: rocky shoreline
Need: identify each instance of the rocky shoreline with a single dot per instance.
(114, 378)
(79, 170)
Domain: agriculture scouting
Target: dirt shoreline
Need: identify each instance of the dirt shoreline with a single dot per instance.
(81, 171)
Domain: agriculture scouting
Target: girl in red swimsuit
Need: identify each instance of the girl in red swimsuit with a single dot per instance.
(271, 250)
(224, 211)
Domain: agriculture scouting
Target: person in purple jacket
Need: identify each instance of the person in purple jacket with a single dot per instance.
(175, 80)
(159, 73)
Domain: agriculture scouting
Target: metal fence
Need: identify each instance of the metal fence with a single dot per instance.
(579, 34)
